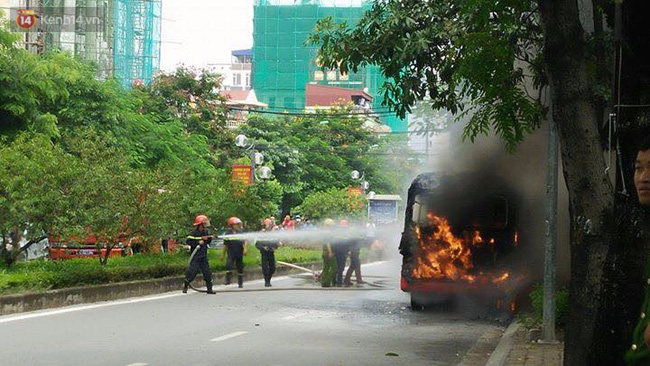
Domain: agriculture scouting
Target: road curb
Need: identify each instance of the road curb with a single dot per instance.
(19, 303)
(479, 354)
(500, 354)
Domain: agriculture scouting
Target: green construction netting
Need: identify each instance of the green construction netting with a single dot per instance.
(283, 65)
(136, 48)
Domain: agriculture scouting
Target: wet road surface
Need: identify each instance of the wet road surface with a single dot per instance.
(292, 323)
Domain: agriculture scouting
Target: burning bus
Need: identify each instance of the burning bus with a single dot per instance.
(460, 240)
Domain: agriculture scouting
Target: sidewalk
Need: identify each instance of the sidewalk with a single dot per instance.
(524, 353)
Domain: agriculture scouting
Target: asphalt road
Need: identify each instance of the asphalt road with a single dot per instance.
(292, 323)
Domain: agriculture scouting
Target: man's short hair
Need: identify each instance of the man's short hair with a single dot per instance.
(645, 144)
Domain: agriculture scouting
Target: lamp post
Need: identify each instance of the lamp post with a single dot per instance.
(257, 158)
(355, 175)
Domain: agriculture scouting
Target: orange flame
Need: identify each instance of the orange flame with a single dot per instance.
(442, 255)
(516, 238)
(477, 238)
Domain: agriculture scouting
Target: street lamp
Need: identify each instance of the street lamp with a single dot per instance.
(265, 173)
(257, 158)
(241, 141)
(355, 175)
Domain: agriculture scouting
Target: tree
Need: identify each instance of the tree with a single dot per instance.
(490, 61)
(83, 156)
(189, 99)
(310, 154)
(35, 182)
(332, 203)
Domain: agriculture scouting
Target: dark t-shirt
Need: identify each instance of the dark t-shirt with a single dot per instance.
(234, 247)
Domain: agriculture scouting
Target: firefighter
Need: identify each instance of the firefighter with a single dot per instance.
(341, 250)
(236, 250)
(355, 262)
(639, 351)
(329, 261)
(267, 248)
(198, 241)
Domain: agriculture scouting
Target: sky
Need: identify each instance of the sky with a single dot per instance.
(201, 32)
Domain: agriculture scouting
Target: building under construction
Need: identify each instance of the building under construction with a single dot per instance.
(283, 65)
(125, 43)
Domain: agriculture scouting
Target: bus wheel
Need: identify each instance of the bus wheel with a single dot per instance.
(415, 304)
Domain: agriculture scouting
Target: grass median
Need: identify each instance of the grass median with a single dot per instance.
(42, 275)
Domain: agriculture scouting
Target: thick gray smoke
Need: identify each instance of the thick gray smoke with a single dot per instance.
(524, 171)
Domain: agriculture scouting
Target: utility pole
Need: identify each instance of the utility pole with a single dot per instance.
(426, 141)
(550, 255)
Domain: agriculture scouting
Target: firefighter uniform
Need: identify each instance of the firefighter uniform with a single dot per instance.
(341, 249)
(638, 354)
(200, 259)
(267, 249)
(329, 267)
(355, 263)
(235, 250)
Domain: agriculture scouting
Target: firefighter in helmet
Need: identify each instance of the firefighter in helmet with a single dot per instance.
(236, 250)
(267, 247)
(198, 241)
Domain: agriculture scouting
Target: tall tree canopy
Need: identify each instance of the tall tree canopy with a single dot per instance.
(310, 154)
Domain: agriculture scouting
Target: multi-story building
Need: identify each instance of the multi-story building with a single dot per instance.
(124, 42)
(283, 65)
(236, 74)
(322, 97)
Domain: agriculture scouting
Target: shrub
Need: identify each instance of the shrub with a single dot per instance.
(40, 275)
(561, 305)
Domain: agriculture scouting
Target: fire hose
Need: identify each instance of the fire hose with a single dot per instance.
(317, 274)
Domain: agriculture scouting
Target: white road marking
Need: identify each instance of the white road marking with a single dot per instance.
(228, 336)
(13, 318)
(138, 364)
(294, 316)
(39, 314)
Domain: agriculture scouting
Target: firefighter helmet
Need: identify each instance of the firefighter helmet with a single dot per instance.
(233, 221)
(343, 223)
(328, 222)
(201, 219)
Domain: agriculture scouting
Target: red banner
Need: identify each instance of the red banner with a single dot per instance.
(242, 173)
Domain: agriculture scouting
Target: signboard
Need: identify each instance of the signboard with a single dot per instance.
(242, 173)
(382, 211)
(354, 191)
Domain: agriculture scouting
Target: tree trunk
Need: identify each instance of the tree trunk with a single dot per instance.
(591, 195)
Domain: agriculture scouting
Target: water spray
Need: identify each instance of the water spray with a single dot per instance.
(315, 237)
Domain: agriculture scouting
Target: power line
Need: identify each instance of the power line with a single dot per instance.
(315, 115)
(379, 109)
